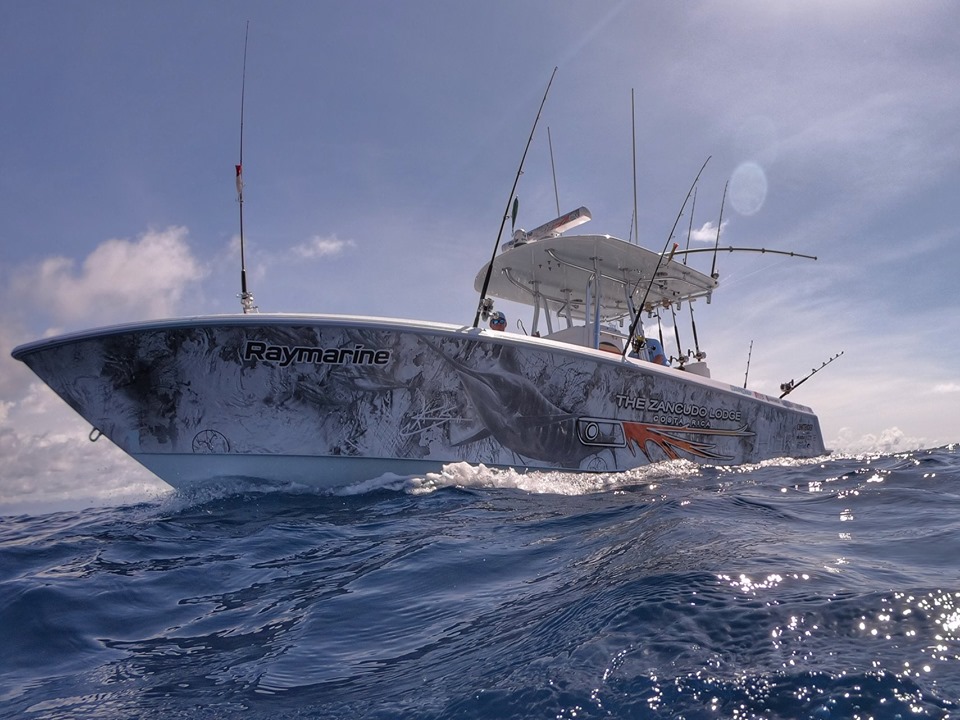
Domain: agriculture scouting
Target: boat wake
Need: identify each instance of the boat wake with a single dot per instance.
(466, 475)
(461, 475)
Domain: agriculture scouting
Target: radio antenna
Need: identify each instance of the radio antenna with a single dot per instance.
(246, 297)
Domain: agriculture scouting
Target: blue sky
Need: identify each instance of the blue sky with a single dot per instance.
(381, 140)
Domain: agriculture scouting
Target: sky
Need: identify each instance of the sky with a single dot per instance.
(380, 143)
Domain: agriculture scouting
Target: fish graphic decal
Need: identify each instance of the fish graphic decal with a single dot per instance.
(514, 412)
(669, 439)
(517, 415)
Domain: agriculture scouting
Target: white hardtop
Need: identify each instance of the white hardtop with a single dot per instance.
(568, 273)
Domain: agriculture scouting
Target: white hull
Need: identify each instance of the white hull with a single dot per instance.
(332, 400)
(187, 471)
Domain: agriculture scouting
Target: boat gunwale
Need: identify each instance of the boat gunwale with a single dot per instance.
(401, 324)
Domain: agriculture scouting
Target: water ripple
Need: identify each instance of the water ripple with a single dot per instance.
(789, 589)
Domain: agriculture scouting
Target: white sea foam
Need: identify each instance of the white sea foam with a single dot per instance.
(547, 482)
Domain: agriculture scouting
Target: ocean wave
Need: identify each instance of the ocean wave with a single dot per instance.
(820, 588)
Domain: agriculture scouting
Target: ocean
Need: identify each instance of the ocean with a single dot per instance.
(790, 589)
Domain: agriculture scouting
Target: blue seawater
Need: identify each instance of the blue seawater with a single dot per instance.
(791, 589)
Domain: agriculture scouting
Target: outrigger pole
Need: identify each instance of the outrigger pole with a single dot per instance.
(646, 294)
(483, 308)
(246, 297)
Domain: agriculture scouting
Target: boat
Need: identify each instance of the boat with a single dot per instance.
(331, 400)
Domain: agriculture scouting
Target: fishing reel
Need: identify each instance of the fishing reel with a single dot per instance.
(486, 308)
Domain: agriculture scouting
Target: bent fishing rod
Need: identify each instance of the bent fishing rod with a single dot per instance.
(746, 249)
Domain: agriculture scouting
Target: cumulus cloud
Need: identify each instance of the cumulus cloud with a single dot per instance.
(47, 456)
(949, 387)
(891, 440)
(319, 246)
(707, 233)
(120, 280)
(49, 460)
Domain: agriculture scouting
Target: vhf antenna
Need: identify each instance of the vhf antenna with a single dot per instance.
(246, 297)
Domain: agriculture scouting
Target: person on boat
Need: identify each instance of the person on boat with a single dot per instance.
(649, 349)
(498, 321)
(655, 352)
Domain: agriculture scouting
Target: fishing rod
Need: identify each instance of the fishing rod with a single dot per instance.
(246, 297)
(634, 221)
(789, 387)
(747, 373)
(485, 305)
(747, 249)
(713, 267)
(660, 330)
(696, 342)
(698, 355)
(553, 170)
(646, 294)
(693, 210)
(681, 358)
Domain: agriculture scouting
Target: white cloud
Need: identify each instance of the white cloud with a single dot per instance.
(891, 440)
(318, 246)
(707, 233)
(949, 387)
(120, 280)
(47, 456)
